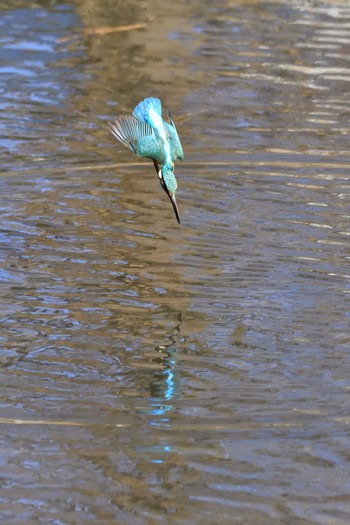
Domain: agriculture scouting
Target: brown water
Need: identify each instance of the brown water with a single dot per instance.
(155, 374)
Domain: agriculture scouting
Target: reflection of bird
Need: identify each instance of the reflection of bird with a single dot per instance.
(166, 379)
(148, 135)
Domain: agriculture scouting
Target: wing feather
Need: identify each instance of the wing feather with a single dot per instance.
(130, 131)
(176, 148)
(138, 136)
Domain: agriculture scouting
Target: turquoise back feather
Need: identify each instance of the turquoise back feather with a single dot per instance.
(145, 107)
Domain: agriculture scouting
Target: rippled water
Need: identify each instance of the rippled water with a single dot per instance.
(152, 373)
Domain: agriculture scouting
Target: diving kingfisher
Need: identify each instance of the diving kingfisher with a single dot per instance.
(148, 135)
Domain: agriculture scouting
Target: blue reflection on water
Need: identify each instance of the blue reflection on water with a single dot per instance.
(165, 381)
(164, 386)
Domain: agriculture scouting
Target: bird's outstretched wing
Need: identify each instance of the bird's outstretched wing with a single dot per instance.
(137, 136)
(175, 144)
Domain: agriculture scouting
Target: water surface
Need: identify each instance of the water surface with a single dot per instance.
(152, 373)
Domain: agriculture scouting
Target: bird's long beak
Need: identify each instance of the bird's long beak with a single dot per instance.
(176, 209)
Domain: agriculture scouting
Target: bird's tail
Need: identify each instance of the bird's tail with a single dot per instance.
(143, 108)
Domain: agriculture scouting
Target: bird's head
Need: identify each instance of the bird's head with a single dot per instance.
(169, 185)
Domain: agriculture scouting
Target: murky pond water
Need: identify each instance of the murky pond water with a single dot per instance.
(152, 373)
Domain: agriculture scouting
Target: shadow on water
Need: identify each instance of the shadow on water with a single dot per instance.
(157, 374)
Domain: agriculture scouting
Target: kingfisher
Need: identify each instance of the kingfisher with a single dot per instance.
(148, 135)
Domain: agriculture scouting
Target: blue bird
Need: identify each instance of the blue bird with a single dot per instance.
(148, 135)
